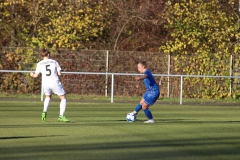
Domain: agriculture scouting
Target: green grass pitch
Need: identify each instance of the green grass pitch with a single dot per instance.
(99, 131)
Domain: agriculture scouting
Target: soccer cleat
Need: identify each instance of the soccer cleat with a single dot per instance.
(149, 121)
(44, 116)
(63, 119)
(134, 112)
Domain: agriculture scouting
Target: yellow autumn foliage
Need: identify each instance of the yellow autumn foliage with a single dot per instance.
(203, 36)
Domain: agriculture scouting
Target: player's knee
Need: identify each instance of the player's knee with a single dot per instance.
(49, 96)
(144, 107)
(62, 97)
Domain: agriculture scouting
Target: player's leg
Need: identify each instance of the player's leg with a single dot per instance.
(63, 105)
(48, 94)
(147, 112)
(148, 100)
(59, 90)
(137, 109)
(139, 106)
(46, 102)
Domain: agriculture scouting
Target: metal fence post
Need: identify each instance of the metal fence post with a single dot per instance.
(106, 82)
(181, 89)
(112, 88)
(168, 83)
(230, 74)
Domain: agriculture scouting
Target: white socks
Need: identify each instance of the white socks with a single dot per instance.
(63, 104)
(46, 104)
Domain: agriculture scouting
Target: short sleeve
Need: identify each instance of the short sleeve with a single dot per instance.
(38, 69)
(58, 67)
(147, 72)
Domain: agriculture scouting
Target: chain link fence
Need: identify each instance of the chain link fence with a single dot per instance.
(112, 62)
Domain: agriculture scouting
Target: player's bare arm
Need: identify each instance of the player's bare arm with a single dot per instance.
(59, 73)
(141, 77)
(35, 75)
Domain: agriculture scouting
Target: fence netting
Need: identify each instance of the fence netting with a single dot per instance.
(25, 59)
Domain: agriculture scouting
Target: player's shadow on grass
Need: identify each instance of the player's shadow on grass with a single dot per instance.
(23, 137)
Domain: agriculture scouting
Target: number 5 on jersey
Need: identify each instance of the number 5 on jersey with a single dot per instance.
(49, 72)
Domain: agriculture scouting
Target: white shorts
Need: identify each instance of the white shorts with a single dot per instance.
(55, 87)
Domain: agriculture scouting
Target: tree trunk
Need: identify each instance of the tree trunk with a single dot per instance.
(13, 42)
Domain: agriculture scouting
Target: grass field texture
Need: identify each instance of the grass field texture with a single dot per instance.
(99, 131)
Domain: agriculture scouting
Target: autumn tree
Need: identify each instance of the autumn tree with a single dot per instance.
(136, 25)
(13, 23)
(52, 23)
(70, 24)
(203, 35)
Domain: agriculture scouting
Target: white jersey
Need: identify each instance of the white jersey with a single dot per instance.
(49, 69)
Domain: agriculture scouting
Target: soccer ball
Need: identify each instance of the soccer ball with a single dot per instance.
(131, 117)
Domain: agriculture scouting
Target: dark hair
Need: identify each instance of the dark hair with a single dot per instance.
(143, 63)
(44, 52)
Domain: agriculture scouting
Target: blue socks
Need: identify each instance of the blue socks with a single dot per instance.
(138, 107)
(148, 113)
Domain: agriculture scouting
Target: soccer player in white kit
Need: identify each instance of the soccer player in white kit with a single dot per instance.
(50, 71)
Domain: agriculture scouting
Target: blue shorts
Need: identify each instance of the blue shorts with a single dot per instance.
(150, 97)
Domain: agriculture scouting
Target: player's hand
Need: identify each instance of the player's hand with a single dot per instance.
(31, 74)
(137, 78)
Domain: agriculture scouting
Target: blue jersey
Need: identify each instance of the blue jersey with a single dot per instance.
(150, 82)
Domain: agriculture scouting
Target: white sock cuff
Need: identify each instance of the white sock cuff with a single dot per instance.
(64, 100)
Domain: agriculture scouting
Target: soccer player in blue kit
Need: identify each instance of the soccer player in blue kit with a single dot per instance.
(152, 91)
